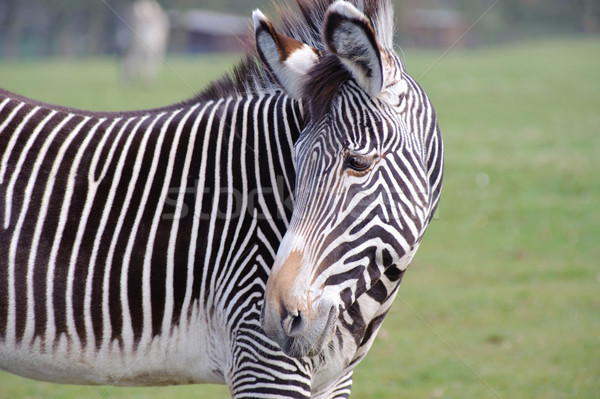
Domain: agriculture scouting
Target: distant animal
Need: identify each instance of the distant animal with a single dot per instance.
(143, 41)
(254, 235)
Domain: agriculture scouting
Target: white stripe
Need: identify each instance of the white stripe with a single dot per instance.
(17, 170)
(243, 209)
(128, 337)
(247, 292)
(30, 321)
(173, 237)
(14, 137)
(169, 301)
(50, 327)
(126, 332)
(200, 194)
(146, 275)
(89, 203)
(272, 150)
(262, 107)
(69, 193)
(6, 101)
(116, 179)
(285, 153)
(215, 207)
(100, 148)
(12, 255)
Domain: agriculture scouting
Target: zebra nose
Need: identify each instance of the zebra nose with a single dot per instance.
(294, 323)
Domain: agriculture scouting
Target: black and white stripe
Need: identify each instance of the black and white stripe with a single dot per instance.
(140, 248)
(119, 229)
(368, 181)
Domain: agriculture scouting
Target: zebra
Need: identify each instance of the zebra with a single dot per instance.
(253, 235)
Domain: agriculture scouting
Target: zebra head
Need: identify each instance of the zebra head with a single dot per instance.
(363, 192)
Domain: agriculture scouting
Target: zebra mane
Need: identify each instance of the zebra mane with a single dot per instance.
(251, 77)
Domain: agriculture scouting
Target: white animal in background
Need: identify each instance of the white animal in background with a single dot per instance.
(144, 41)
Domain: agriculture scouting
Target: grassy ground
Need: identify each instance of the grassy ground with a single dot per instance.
(502, 300)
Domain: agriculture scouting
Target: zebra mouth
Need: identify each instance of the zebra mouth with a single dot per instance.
(305, 345)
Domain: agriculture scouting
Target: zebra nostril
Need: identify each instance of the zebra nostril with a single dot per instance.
(294, 324)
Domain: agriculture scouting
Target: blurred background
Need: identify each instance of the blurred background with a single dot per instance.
(503, 297)
(33, 28)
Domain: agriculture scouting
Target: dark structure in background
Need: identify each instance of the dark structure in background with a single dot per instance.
(63, 27)
(30, 28)
(435, 27)
(200, 31)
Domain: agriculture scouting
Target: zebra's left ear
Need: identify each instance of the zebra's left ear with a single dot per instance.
(288, 59)
(349, 35)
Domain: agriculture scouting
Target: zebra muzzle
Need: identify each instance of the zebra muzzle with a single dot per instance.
(294, 324)
(296, 333)
(294, 315)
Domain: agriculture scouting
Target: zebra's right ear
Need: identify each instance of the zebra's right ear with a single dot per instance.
(287, 58)
(349, 35)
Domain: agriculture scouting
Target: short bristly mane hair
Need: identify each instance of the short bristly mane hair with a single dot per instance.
(251, 77)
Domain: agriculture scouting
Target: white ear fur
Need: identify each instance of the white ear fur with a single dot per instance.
(349, 34)
(288, 59)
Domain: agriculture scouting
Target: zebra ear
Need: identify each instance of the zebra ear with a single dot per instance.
(288, 59)
(349, 34)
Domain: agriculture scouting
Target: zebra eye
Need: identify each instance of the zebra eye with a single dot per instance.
(358, 163)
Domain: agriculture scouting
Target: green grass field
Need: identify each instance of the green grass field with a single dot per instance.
(503, 298)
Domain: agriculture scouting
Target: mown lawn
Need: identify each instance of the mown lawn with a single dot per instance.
(502, 300)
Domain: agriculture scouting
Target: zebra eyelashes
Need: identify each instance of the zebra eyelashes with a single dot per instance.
(358, 162)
